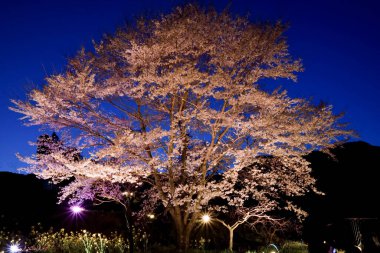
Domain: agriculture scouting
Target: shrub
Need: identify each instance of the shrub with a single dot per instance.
(78, 242)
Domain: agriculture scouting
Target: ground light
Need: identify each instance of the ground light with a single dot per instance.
(206, 218)
(128, 194)
(76, 212)
(274, 246)
(13, 248)
(76, 209)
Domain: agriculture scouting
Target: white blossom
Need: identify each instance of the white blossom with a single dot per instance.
(177, 102)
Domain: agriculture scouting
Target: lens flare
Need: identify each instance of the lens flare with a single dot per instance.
(76, 209)
(13, 248)
(206, 218)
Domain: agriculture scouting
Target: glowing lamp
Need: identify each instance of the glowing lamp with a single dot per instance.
(76, 209)
(206, 218)
(128, 194)
(151, 216)
(14, 248)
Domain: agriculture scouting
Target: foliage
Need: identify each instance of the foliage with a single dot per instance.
(294, 247)
(82, 241)
(177, 102)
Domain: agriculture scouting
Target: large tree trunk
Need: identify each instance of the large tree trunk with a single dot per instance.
(183, 229)
(184, 239)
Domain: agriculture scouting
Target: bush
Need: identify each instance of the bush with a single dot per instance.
(64, 242)
(78, 242)
(294, 247)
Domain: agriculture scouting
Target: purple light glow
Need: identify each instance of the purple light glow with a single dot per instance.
(76, 209)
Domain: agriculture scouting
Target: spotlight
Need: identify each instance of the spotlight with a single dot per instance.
(13, 248)
(76, 209)
(206, 218)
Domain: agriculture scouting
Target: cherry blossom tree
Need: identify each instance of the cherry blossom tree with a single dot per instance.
(97, 191)
(176, 100)
(267, 185)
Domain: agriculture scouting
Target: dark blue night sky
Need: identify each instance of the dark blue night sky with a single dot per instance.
(337, 40)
